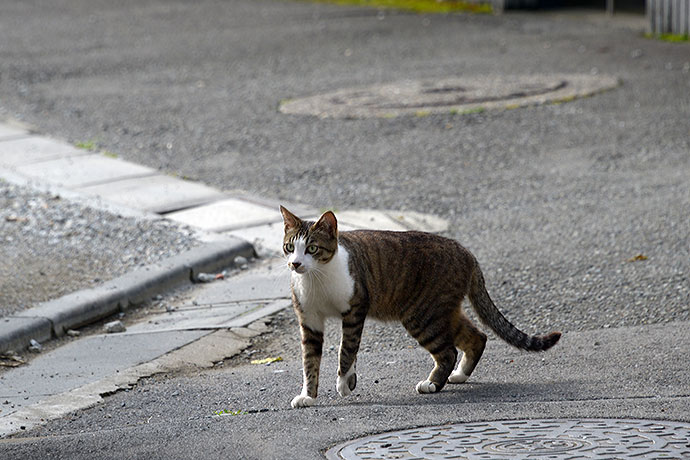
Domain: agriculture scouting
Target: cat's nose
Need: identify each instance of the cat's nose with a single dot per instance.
(296, 265)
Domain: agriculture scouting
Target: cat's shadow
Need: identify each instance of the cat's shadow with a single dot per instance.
(475, 392)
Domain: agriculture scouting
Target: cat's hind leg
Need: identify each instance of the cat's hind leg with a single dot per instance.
(432, 332)
(444, 361)
(471, 341)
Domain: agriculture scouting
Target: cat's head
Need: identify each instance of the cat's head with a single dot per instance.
(308, 245)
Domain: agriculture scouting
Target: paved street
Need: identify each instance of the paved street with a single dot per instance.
(552, 199)
(576, 208)
(623, 373)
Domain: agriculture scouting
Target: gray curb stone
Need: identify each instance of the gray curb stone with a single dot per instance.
(55, 317)
(16, 333)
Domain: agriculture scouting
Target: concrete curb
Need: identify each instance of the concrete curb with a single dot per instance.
(55, 317)
(17, 332)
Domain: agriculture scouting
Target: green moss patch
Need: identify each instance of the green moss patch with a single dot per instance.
(419, 6)
(673, 38)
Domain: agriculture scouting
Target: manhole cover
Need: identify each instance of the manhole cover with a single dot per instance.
(450, 95)
(527, 439)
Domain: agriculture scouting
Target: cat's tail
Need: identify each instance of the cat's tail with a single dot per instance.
(492, 317)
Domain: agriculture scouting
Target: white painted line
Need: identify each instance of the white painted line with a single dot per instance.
(266, 239)
(158, 194)
(209, 317)
(232, 213)
(369, 219)
(11, 132)
(250, 314)
(82, 171)
(260, 312)
(34, 149)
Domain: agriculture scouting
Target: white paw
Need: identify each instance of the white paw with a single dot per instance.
(342, 387)
(343, 383)
(458, 377)
(425, 386)
(302, 401)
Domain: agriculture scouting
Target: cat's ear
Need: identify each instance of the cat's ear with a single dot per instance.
(329, 223)
(290, 220)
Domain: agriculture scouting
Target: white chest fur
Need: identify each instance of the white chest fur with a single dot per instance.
(325, 290)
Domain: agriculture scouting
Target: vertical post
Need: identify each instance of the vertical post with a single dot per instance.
(649, 8)
(665, 16)
(609, 7)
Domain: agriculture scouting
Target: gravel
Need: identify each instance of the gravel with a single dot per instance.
(51, 246)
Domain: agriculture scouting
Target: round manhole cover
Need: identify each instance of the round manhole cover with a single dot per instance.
(527, 439)
(449, 95)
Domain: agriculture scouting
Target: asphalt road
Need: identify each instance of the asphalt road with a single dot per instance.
(174, 416)
(555, 201)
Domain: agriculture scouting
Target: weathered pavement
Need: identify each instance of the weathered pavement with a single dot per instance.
(636, 372)
(554, 200)
(173, 397)
(193, 402)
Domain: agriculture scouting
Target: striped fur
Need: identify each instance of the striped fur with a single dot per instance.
(419, 279)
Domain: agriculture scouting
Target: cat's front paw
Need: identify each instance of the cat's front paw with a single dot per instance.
(426, 386)
(346, 384)
(302, 401)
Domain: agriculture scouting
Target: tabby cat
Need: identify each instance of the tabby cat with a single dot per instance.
(419, 279)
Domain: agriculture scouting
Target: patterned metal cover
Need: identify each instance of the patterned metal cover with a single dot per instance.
(527, 439)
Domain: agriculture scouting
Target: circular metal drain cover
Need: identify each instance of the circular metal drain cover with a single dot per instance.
(450, 95)
(527, 439)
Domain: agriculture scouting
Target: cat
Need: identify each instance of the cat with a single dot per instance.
(417, 278)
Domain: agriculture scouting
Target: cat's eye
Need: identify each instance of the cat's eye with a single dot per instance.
(289, 247)
(312, 249)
